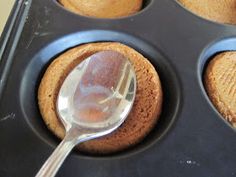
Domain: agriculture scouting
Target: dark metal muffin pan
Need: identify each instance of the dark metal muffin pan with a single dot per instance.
(191, 138)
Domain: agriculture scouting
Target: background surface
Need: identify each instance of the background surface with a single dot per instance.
(5, 9)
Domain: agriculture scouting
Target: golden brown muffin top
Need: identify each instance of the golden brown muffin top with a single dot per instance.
(222, 11)
(220, 82)
(143, 116)
(103, 8)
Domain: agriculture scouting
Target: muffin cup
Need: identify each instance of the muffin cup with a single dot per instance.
(34, 75)
(102, 12)
(217, 47)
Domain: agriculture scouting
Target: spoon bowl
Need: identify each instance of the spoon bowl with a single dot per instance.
(94, 100)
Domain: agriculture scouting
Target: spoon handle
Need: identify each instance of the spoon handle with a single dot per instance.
(54, 162)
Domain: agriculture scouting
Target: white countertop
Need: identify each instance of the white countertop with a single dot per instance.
(5, 9)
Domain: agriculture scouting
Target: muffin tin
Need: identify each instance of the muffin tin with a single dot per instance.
(191, 138)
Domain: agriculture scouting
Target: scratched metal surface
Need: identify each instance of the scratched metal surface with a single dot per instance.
(191, 138)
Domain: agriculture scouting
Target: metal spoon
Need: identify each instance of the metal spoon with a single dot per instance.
(93, 101)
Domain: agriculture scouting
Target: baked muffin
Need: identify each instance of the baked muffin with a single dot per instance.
(220, 83)
(145, 112)
(103, 8)
(222, 11)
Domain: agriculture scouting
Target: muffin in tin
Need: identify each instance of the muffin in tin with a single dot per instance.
(103, 8)
(222, 11)
(220, 83)
(140, 121)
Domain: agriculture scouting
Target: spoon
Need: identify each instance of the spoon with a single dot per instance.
(93, 101)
